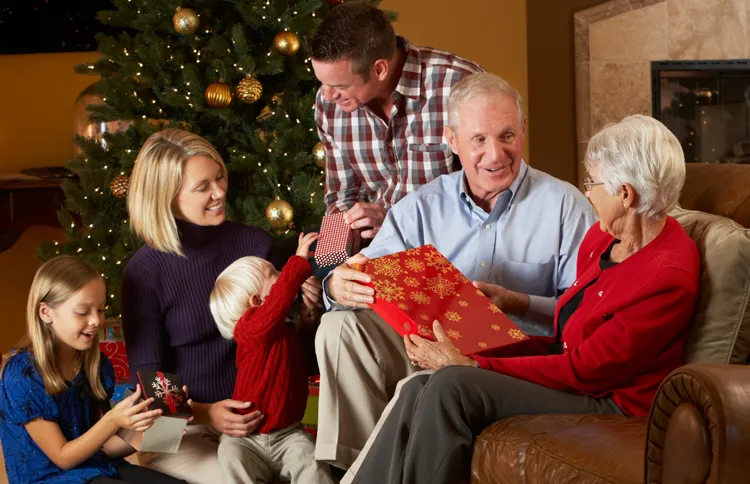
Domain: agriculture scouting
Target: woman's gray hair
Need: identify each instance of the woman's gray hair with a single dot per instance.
(480, 84)
(641, 151)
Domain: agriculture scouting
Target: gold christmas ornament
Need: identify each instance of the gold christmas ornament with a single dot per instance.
(249, 89)
(185, 21)
(218, 95)
(287, 43)
(279, 214)
(119, 186)
(319, 153)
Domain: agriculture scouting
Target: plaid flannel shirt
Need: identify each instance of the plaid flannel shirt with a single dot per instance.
(370, 160)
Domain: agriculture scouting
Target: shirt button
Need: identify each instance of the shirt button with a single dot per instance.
(487, 227)
(483, 264)
(601, 293)
(591, 255)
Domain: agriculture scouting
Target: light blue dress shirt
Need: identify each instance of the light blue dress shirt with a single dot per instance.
(528, 243)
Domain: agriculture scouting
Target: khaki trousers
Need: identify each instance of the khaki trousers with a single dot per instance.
(196, 462)
(288, 454)
(361, 360)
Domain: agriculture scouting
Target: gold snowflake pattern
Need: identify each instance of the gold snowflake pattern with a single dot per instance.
(388, 290)
(495, 327)
(438, 262)
(403, 307)
(480, 293)
(463, 304)
(441, 286)
(493, 308)
(414, 265)
(516, 333)
(453, 334)
(482, 344)
(407, 326)
(420, 298)
(461, 278)
(424, 316)
(411, 282)
(416, 251)
(424, 330)
(387, 267)
(452, 316)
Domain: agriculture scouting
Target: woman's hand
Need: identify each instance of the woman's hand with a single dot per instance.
(434, 355)
(220, 416)
(312, 293)
(133, 416)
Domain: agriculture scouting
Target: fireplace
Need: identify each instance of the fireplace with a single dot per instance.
(706, 104)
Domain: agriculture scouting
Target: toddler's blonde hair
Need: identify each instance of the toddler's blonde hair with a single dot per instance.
(234, 287)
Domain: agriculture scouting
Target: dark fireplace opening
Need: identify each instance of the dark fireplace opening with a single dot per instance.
(706, 104)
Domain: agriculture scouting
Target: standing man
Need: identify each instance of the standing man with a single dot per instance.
(380, 112)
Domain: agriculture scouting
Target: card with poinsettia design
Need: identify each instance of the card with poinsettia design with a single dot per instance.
(165, 435)
(415, 287)
(166, 389)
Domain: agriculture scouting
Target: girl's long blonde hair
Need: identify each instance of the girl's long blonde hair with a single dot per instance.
(54, 283)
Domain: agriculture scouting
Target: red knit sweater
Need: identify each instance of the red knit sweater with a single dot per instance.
(629, 331)
(271, 367)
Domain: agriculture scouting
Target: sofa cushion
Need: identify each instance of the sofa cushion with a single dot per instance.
(608, 450)
(501, 449)
(720, 330)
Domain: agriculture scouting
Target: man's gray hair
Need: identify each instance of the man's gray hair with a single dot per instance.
(641, 151)
(480, 84)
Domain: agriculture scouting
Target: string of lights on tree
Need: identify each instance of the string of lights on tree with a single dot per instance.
(232, 71)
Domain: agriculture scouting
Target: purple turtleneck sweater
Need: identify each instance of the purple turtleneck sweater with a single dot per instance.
(166, 317)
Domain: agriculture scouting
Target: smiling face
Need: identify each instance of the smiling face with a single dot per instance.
(202, 193)
(340, 85)
(489, 142)
(76, 321)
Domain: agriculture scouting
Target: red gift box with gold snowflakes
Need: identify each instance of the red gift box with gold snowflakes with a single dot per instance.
(417, 286)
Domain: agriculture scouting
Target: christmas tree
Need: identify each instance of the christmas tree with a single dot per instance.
(231, 71)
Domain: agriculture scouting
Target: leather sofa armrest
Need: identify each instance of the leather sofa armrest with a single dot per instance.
(699, 426)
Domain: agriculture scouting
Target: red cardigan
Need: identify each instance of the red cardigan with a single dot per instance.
(271, 366)
(629, 332)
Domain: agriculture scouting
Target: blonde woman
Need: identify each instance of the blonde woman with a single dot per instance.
(177, 207)
(55, 421)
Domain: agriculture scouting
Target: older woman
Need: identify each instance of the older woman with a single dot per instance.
(619, 330)
(177, 207)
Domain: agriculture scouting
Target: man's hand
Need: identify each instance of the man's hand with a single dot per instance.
(344, 286)
(364, 214)
(434, 355)
(511, 302)
(221, 416)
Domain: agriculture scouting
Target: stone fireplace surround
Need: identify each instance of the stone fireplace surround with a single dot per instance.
(616, 41)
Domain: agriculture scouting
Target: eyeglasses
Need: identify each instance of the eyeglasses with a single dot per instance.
(588, 183)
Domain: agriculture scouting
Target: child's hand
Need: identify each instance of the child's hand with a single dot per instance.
(131, 415)
(305, 241)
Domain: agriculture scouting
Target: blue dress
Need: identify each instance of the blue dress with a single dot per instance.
(23, 399)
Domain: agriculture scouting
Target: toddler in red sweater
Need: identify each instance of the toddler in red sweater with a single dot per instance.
(250, 303)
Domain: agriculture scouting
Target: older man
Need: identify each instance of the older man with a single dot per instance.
(512, 229)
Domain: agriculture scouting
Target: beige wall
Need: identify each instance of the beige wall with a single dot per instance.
(36, 129)
(489, 32)
(552, 113)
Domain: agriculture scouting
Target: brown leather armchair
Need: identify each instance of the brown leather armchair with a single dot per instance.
(698, 430)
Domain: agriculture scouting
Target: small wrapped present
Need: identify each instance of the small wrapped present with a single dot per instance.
(337, 241)
(115, 351)
(310, 419)
(119, 394)
(415, 287)
(166, 433)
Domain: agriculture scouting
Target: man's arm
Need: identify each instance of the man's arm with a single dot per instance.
(342, 184)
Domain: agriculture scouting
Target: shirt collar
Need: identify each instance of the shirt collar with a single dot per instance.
(410, 82)
(513, 189)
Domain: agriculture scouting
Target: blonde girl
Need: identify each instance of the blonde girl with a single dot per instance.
(55, 421)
